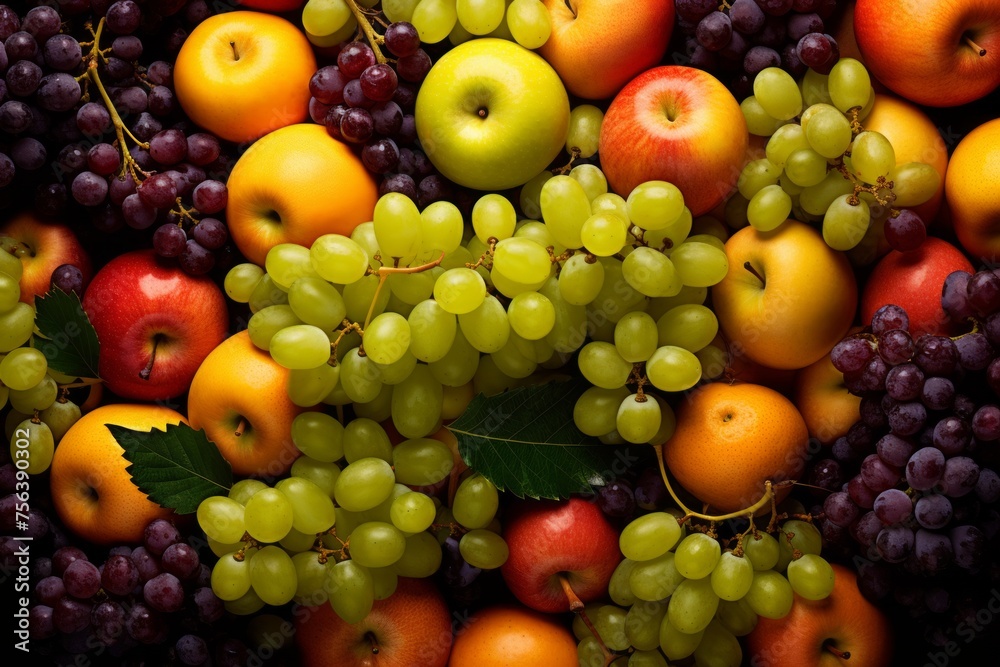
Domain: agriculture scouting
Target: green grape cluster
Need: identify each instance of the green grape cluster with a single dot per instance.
(820, 165)
(526, 22)
(347, 522)
(678, 593)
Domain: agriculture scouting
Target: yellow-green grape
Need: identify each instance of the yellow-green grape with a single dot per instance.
(301, 346)
(287, 262)
(814, 88)
(323, 475)
(222, 519)
(295, 542)
(531, 315)
(310, 579)
(758, 174)
(412, 512)
(476, 502)
(603, 367)
(786, 140)
(845, 224)
(595, 411)
(39, 397)
(645, 659)
(714, 361)
(697, 555)
(638, 418)
(589, 652)
(610, 202)
(384, 582)
(673, 368)
(811, 577)
(239, 283)
(364, 484)
(565, 206)
(655, 579)
(243, 490)
(480, 17)
(642, 624)
(351, 589)
(710, 239)
(604, 234)
(493, 216)
(585, 120)
(246, 605)
(770, 594)
(805, 167)
(380, 407)
(718, 647)
(312, 509)
(441, 227)
(651, 273)
(619, 589)
(759, 122)
(364, 236)
(323, 17)
(849, 84)
(537, 232)
(397, 222)
(655, 204)
(592, 179)
(522, 260)
(266, 293)
(334, 39)
(636, 337)
(769, 208)
(10, 265)
(339, 259)
(777, 93)
(732, 576)
(16, 326)
(317, 302)
(692, 605)
(393, 374)
(675, 644)
(570, 328)
(609, 621)
(799, 536)
(268, 515)
(816, 199)
(59, 416)
(359, 295)
(318, 435)
(737, 617)
(377, 544)
(828, 131)
(872, 156)
(231, 575)
(365, 438)
(668, 423)
(23, 368)
(483, 549)
(762, 550)
(487, 327)
(530, 25)
(914, 183)
(268, 321)
(531, 193)
(421, 558)
(32, 443)
(580, 280)
(387, 338)
(432, 331)
(699, 264)
(416, 403)
(459, 34)
(434, 19)
(736, 211)
(272, 575)
(649, 536)
(359, 377)
(460, 291)
(689, 326)
(459, 364)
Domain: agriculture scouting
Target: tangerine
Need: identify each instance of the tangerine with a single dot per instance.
(508, 636)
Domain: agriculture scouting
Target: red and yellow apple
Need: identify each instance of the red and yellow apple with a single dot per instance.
(42, 248)
(824, 402)
(971, 187)
(676, 124)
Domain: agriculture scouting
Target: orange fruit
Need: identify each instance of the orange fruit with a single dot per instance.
(92, 493)
(239, 389)
(508, 636)
(293, 186)
(730, 439)
(970, 190)
(823, 400)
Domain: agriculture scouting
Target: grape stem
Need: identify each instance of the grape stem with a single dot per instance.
(577, 607)
(374, 39)
(384, 272)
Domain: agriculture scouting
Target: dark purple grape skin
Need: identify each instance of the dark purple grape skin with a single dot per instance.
(616, 500)
(955, 296)
(714, 31)
(401, 39)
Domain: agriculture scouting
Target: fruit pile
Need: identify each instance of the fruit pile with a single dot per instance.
(491, 332)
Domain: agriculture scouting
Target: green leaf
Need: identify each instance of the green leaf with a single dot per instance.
(70, 343)
(176, 468)
(525, 442)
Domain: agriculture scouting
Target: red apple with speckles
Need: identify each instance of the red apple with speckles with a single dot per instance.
(44, 247)
(914, 280)
(597, 46)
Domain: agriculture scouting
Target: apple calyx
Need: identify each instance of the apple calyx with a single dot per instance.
(843, 655)
(974, 46)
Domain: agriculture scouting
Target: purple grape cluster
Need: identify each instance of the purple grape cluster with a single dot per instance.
(746, 36)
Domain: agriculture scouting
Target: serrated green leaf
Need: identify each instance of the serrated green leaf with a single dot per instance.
(525, 442)
(69, 340)
(177, 468)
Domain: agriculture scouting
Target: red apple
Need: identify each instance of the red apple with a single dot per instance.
(676, 124)
(597, 46)
(940, 54)
(549, 540)
(43, 247)
(814, 631)
(411, 627)
(913, 280)
(156, 324)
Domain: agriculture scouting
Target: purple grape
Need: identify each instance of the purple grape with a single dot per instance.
(28, 154)
(775, 7)
(937, 599)
(327, 85)
(983, 293)
(414, 67)
(196, 260)
(202, 148)
(650, 491)
(69, 615)
(907, 418)
(933, 511)
(169, 240)
(800, 25)
(41, 623)
(143, 624)
(128, 47)
(974, 351)
(123, 17)
(133, 100)
(616, 500)
(889, 317)
(164, 592)
(137, 214)
(431, 189)
(840, 509)
(108, 619)
(714, 31)
(826, 474)
(960, 476)
(852, 354)
(103, 159)
(694, 10)
(157, 191)
(892, 506)
(952, 435)
(988, 485)
(893, 450)
(62, 558)
(969, 545)
(860, 493)
(955, 296)
(10, 22)
(356, 126)
(904, 382)
(210, 233)
(905, 232)
(333, 120)
(401, 183)
(986, 423)
(209, 608)
(378, 82)
(878, 476)
(49, 590)
(925, 468)
(23, 78)
(759, 58)
(746, 16)
(120, 575)
(894, 543)
(82, 579)
(168, 147)
(42, 22)
(936, 355)
(387, 118)
(162, 101)
(354, 96)
(191, 650)
(866, 529)
(7, 170)
(146, 127)
(380, 156)
(405, 96)
(934, 551)
(146, 564)
(21, 45)
(817, 51)
(180, 560)
(210, 196)
(895, 346)
(871, 413)
(401, 39)
(354, 59)
(938, 393)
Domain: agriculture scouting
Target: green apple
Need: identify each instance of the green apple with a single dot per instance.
(491, 114)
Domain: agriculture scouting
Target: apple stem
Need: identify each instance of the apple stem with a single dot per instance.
(975, 47)
(236, 52)
(749, 267)
(374, 642)
(241, 427)
(577, 607)
(843, 655)
(148, 370)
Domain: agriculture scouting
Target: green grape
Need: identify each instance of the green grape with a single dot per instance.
(310, 579)
(422, 461)
(493, 215)
(699, 264)
(814, 88)
(377, 544)
(580, 629)
(531, 315)
(416, 403)
(476, 502)
(697, 555)
(770, 594)
(396, 217)
(480, 17)
(845, 224)
(309, 386)
(872, 156)
(759, 122)
(272, 575)
(585, 120)
(570, 328)
(483, 549)
(266, 293)
(33, 443)
(673, 368)
(638, 420)
(379, 408)
(710, 239)
(60, 416)
(604, 234)
(318, 435)
(459, 365)
(336, 38)
(486, 328)
(674, 643)
(489, 380)
(359, 377)
(565, 206)
(761, 549)
(509, 287)
(432, 331)
(828, 131)
(220, 549)
(655, 579)
(580, 281)
(531, 192)
(323, 17)
(359, 295)
(522, 259)
(651, 273)
(393, 374)
(737, 617)
(23, 368)
(222, 519)
(718, 647)
(619, 588)
(736, 211)
(655, 204)
(595, 411)
(412, 512)
(769, 208)
(239, 283)
(384, 582)
(242, 491)
(421, 558)
(646, 659)
(301, 346)
(323, 475)
(312, 509)
(816, 199)
(714, 361)
(777, 93)
(364, 236)
(248, 604)
(849, 84)
(649, 536)
(398, 10)
(296, 542)
(805, 167)
(268, 321)
(805, 539)
(537, 232)
(791, 188)
(593, 181)
(231, 576)
(287, 262)
(39, 397)
(914, 183)
(689, 326)
(338, 259)
(10, 264)
(811, 577)
(610, 203)
(364, 484)
(688, 295)
(603, 367)
(732, 576)
(387, 338)
(692, 605)
(268, 515)
(351, 590)
(460, 291)
(317, 302)
(636, 336)
(786, 140)
(642, 624)
(589, 652)
(668, 423)
(609, 621)
(758, 174)
(16, 326)
(441, 227)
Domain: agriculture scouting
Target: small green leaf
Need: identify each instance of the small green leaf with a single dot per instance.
(68, 341)
(525, 442)
(176, 468)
